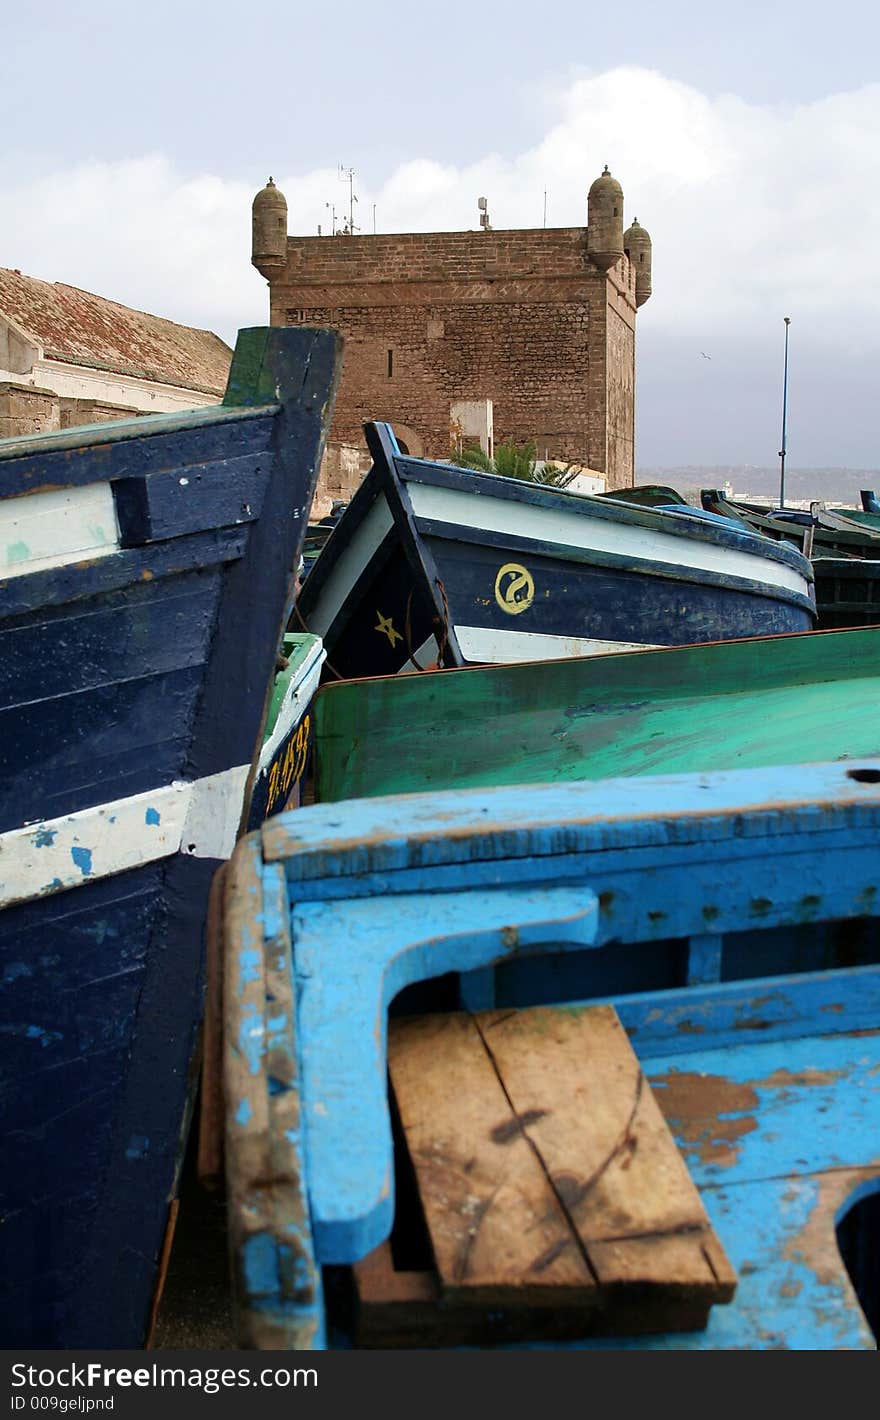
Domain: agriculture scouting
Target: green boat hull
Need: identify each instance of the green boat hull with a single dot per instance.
(754, 703)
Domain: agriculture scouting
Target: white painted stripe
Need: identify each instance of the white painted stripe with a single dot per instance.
(57, 527)
(199, 818)
(296, 698)
(484, 646)
(424, 657)
(577, 529)
(351, 563)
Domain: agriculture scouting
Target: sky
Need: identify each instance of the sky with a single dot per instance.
(747, 142)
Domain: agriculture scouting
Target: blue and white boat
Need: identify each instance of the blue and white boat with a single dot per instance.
(434, 565)
(146, 575)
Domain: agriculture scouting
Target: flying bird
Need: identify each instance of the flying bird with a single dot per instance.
(705, 356)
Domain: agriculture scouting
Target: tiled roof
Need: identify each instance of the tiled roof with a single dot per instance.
(84, 329)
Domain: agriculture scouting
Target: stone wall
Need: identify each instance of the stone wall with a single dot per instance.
(429, 319)
(92, 411)
(342, 470)
(28, 409)
(25, 409)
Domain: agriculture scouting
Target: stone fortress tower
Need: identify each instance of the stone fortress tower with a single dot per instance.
(541, 322)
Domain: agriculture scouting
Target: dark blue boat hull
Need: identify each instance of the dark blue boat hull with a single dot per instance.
(138, 675)
(432, 565)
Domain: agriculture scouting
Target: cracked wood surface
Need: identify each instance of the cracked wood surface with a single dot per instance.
(545, 1168)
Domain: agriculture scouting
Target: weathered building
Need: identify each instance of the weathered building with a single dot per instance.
(539, 322)
(68, 357)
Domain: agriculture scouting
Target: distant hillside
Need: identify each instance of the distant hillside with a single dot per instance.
(831, 485)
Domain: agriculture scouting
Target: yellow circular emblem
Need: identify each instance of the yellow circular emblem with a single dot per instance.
(514, 588)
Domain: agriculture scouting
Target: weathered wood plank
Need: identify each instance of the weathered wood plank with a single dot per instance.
(400, 1308)
(585, 1107)
(171, 503)
(270, 1240)
(496, 1226)
(544, 1166)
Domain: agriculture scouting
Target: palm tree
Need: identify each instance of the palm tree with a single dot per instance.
(514, 461)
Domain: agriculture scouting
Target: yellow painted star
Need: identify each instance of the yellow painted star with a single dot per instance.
(386, 628)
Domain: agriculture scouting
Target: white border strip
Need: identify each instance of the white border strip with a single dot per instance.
(486, 646)
(200, 819)
(455, 507)
(56, 527)
(351, 563)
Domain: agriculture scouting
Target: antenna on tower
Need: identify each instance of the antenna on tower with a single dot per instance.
(347, 175)
(484, 214)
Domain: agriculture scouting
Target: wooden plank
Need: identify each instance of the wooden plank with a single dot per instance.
(399, 1308)
(164, 1260)
(585, 1107)
(274, 1275)
(496, 1225)
(56, 527)
(171, 502)
(247, 1145)
(545, 1169)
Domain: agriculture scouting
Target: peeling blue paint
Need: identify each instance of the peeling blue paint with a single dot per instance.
(45, 837)
(82, 858)
(250, 966)
(260, 1266)
(244, 1112)
(152, 816)
(250, 1040)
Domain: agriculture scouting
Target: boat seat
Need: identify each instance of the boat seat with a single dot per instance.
(550, 1198)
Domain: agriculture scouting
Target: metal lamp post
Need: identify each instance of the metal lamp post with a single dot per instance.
(787, 320)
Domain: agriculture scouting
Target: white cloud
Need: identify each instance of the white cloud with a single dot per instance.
(755, 212)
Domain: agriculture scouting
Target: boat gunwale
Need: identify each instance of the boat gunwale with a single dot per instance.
(407, 469)
(112, 431)
(860, 670)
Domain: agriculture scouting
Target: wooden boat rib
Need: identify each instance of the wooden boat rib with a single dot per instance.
(147, 575)
(431, 564)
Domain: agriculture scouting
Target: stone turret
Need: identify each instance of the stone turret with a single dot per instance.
(605, 221)
(637, 245)
(269, 241)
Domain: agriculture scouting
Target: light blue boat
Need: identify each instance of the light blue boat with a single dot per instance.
(730, 918)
